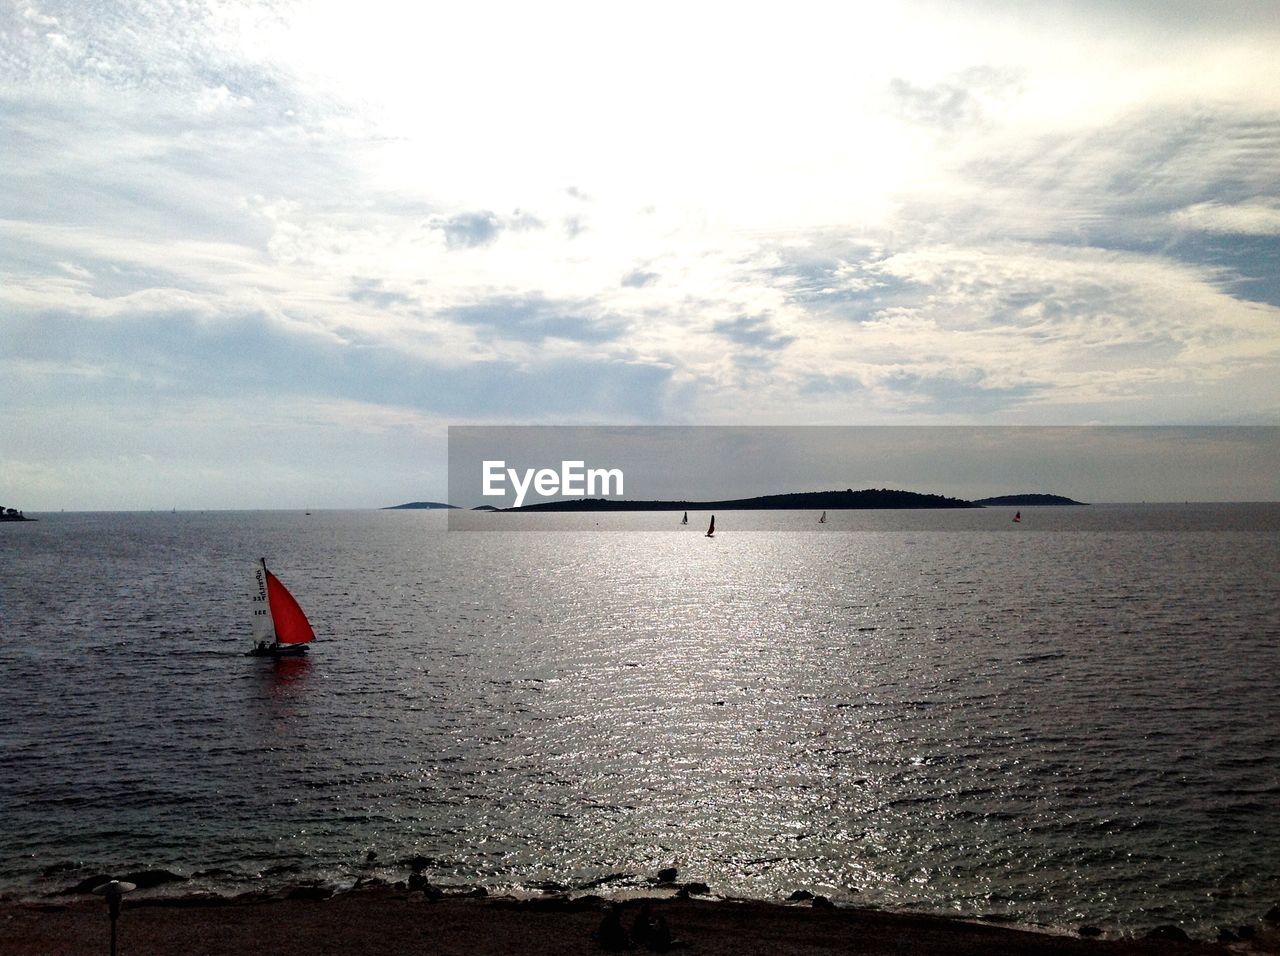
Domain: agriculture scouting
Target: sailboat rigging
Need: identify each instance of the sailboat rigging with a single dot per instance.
(711, 530)
(280, 628)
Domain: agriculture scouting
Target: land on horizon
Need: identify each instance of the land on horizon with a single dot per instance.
(847, 500)
(867, 499)
(1028, 500)
(420, 506)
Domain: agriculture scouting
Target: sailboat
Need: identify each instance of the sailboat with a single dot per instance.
(823, 519)
(686, 518)
(280, 628)
(1017, 516)
(711, 531)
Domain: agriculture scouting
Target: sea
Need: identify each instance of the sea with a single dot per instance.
(1068, 720)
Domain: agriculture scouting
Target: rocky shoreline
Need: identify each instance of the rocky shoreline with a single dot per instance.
(615, 912)
(376, 919)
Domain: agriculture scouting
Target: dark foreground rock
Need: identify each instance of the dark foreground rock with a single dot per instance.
(1171, 934)
(382, 921)
(142, 879)
(309, 893)
(147, 879)
(87, 885)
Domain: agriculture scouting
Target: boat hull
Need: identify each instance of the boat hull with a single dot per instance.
(278, 650)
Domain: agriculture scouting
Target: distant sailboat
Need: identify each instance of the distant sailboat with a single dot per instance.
(823, 519)
(1017, 516)
(686, 518)
(711, 531)
(280, 628)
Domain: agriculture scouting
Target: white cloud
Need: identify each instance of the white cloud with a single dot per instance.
(1249, 219)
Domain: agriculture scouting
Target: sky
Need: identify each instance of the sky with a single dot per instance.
(262, 255)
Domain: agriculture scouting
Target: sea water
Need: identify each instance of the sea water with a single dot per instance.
(1073, 719)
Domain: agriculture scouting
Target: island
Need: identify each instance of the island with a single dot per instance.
(1026, 500)
(870, 498)
(419, 506)
(13, 514)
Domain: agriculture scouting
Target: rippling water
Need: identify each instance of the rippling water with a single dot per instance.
(1054, 726)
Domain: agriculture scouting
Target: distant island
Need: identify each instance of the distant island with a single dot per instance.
(13, 514)
(871, 498)
(847, 500)
(1023, 500)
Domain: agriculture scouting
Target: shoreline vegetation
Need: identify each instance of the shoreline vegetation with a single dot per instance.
(13, 514)
(379, 917)
(869, 499)
(420, 506)
(848, 500)
(1027, 501)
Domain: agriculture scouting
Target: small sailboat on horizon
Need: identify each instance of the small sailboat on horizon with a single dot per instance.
(685, 520)
(823, 519)
(280, 627)
(1017, 516)
(711, 529)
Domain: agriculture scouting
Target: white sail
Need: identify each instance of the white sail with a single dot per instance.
(264, 628)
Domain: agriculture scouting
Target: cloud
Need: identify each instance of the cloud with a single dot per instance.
(1247, 219)
(1122, 182)
(754, 331)
(139, 363)
(638, 279)
(218, 98)
(470, 229)
(1005, 328)
(825, 385)
(945, 390)
(535, 319)
(374, 292)
(959, 101)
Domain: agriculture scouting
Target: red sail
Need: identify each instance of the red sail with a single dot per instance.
(292, 626)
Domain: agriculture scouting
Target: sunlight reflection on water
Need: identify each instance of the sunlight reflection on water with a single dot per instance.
(1052, 726)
